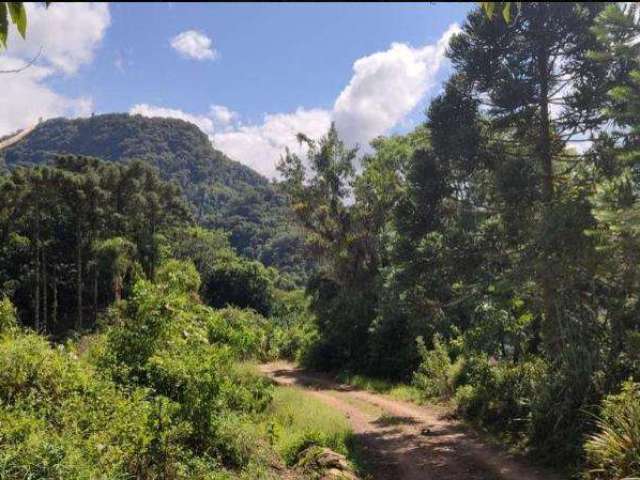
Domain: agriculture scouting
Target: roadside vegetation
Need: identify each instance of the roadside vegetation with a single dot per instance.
(488, 259)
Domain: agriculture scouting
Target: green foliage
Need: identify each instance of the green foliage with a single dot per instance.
(8, 322)
(294, 328)
(61, 264)
(61, 421)
(295, 428)
(179, 276)
(614, 450)
(18, 15)
(223, 194)
(433, 375)
(184, 355)
(247, 333)
(238, 282)
(499, 395)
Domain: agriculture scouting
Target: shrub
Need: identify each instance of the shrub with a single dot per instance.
(295, 331)
(498, 395)
(58, 420)
(613, 452)
(179, 276)
(433, 375)
(185, 353)
(246, 332)
(238, 282)
(561, 414)
(7, 317)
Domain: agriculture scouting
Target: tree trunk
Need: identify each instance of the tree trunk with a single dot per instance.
(95, 292)
(117, 287)
(546, 277)
(45, 299)
(54, 303)
(78, 325)
(36, 295)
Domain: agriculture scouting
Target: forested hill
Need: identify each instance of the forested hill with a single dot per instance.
(225, 194)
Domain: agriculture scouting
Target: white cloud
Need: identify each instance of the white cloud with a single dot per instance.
(194, 44)
(67, 35)
(385, 87)
(260, 146)
(222, 115)
(24, 98)
(203, 122)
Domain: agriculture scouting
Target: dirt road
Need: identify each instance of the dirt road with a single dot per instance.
(403, 441)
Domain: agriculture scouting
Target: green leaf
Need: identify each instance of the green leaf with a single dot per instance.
(19, 17)
(506, 12)
(489, 8)
(4, 25)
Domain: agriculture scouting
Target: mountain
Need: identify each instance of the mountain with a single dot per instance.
(225, 194)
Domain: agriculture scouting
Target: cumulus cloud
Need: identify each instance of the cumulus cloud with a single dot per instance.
(67, 33)
(260, 146)
(203, 122)
(194, 44)
(222, 115)
(25, 97)
(384, 89)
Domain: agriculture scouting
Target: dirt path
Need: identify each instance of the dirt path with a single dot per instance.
(403, 441)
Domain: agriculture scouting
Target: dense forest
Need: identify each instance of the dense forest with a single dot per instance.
(486, 260)
(223, 194)
(492, 254)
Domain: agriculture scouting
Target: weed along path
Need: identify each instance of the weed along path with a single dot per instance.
(403, 441)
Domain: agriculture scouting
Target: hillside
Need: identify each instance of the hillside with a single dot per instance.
(225, 194)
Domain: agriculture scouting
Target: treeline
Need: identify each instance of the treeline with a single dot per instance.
(222, 194)
(76, 235)
(492, 254)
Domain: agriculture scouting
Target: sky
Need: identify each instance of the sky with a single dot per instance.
(250, 76)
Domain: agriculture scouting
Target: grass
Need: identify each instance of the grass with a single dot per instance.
(297, 420)
(397, 391)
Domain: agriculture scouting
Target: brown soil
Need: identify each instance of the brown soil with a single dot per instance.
(404, 441)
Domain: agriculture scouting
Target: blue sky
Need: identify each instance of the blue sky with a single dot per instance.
(247, 74)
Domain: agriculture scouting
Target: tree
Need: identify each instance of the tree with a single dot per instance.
(541, 89)
(116, 256)
(238, 282)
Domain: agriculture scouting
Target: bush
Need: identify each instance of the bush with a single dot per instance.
(186, 353)
(7, 317)
(434, 373)
(238, 282)
(561, 414)
(498, 395)
(295, 331)
(58, 420)
(179, 276)
(246, 332)
(613, 452)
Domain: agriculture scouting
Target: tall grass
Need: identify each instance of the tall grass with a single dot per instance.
(297, 421)
(613, 452)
